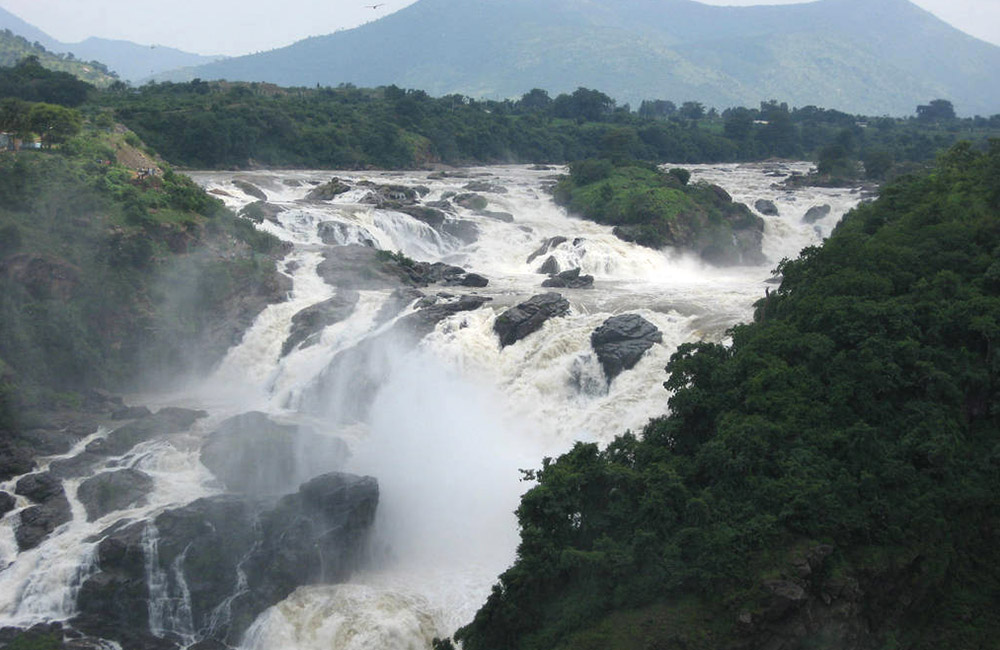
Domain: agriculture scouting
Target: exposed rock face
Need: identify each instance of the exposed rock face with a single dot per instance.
(7, 502)
(355, 267)
(38, 521)
(765, 207)
(329, 190)
(253, 454)
(528, 317)
(621, 341)
(112, 491)
(316, 535)
(309, 323)
(164, 422)
(131, 413)
(816, 213)
(471, 201)
(570, 280)
(389, 196)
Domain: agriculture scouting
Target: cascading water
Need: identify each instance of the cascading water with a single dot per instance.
(445, 424)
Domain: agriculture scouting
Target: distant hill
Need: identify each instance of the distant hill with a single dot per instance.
(130, 61)
(863, 56)
(14, 49)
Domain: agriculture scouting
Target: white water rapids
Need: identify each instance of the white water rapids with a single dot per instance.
(456, 417)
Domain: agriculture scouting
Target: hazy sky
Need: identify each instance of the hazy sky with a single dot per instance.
(244, 26)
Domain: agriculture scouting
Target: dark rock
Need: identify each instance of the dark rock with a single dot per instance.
(14, 460)
(40, 488)
(541, 168)
(569, 280)
(236, 556)
(110, 491)
(443, 204)
(329, 190)
(48, 442)
(310, 322)
(103, 398)
(7, 503)
(250, 189)
(431, 216)
(816, 213)
(621, 341)
(485, 186)
(423, 321)
(74, 466)
(389, 196)
(471, 201)
(261, 210)
(765, 207)
(506, 217)
(131, 413)
(253, 454)
(528, 317)
(549, 244)
(166, 421)
(474, 280)
(549, 267)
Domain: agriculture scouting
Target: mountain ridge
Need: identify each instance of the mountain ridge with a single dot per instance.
(867, 57)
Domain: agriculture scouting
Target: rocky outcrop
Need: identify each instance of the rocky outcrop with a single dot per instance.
(528, 317)
(250, 189)
(471, 201)
(309, 323)
(621, 341)
(38, 521)
(570, 279)
(766, 208)
(389, 196)
(219, 562)
(338, 233)
(131, 413)
(250, 453)
(7, 503)
(356, 267)
(549, 267)
(816, 213)
(329, 190)
(258, 211)
(111, 491)
(166, 421)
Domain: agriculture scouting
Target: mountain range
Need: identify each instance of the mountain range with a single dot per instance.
(863, 56)
(131, 61)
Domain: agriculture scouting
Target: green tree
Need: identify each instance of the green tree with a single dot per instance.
(55, 124)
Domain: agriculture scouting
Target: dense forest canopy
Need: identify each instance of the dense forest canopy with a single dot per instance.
(841, 452)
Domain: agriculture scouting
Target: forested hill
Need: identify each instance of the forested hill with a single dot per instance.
(235, 125)
(14, 49)
(862, 56)
(831, 479)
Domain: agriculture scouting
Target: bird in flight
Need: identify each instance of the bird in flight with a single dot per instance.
(381, 4)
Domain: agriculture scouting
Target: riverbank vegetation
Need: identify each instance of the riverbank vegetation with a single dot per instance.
(829, 478)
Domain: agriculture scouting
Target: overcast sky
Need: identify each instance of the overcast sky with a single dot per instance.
(243, 26)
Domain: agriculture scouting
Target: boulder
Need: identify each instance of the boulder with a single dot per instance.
(549, 267)
(765, 207)
(14, 460)
(250, 189)
(433, 217)
(7, 503)
(485, 186)
(110, 491)
(528, 317)
(389, 196)
(621, 341)
(252, 454)
(329, 190)
(310, 322)
(471, 201)
(816, 213)
(36, 522)
(226, 555)
(548, 245)
(570, 279)
(258, 211)
(40, 488)
(423, 321)
(474, 280)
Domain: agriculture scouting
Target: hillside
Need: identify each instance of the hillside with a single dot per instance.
(826, 480)
(129, 61)
(14, 49)
(862, 57)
